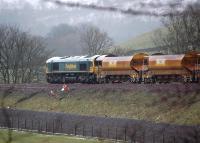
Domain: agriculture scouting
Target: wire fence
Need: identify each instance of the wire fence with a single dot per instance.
(79, 126)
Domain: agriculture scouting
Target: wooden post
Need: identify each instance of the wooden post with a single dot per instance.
(31, 124)
(163, 138)
(38, 125)
(46, 126)
(61, 128)
(53, 127)
(11, 122)
(134, 138)
(116, 134)
(154, 138)
(92, 131)
(18, 122)
(125, 134)
(100, 132)
(83, 130)
(144, 136)
(174, 139)
(108, 133)
(75, 127)
(25, 123)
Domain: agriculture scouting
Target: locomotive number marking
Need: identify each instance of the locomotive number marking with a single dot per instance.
(160, 61)
(70, 66)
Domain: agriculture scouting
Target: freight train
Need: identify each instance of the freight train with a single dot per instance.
(138, 68)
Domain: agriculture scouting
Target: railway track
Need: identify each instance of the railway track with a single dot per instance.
(172, 88)
(30, 87)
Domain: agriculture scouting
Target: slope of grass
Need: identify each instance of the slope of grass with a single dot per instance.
(24, 137)
(142, 41)
(172, 107)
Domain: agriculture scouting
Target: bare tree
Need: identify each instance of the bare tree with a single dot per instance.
(21, 55)
(117, 50)
(183, 31)
(94, 41)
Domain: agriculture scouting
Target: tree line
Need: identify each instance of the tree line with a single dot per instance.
(182, 31)
(180, 34)
(22, 55)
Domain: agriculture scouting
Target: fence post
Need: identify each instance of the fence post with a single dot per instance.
(134, 138)
(116, 134)
(11, 122)
(197, 136)
(108, 133)
(92, 131)
(144, 136)
(154, 137)
(25, 123)
(174, 139)
(31, 124)
(38, 125)
(100, 132)
(75, 127)
(61, 128)
(163, 138)
(0, 121)
(53, 127)
(125, 134)
(46, 126)
(18, 122)
(83, 130)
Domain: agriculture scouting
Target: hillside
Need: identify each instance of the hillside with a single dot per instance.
(170, 103)
(142, 41)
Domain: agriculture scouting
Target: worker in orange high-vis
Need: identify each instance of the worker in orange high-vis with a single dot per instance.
(66, 87)
(65, 90)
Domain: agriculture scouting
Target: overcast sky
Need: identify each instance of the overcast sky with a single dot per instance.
(39, 17)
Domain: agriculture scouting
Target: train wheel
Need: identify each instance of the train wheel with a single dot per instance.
(132, 80)
(146, 80)
(154, 80)
(106, 80)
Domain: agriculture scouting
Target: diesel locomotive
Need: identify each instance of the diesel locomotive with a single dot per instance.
(137, 68)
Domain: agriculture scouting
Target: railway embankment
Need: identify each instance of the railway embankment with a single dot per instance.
(173, 103)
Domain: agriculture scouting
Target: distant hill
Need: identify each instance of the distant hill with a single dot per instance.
(142, 42)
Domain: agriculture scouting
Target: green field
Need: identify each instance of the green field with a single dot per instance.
(134, 104)
(25, 137)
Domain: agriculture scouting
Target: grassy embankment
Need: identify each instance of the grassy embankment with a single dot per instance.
(24, 137)
(172, 107)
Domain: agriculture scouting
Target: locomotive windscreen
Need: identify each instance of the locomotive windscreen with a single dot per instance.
(55, 66)
(83, 67)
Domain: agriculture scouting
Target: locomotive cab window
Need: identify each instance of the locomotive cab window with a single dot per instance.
(83, 67)
(55, 66)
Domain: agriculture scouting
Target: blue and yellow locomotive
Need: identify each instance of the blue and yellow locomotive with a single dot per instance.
(71, 69)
